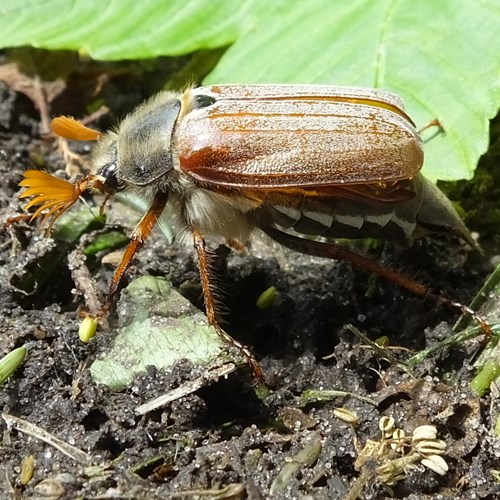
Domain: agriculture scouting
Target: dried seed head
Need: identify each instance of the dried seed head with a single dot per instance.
(430, 446)
(398, 440)
(386, 425)
(424, 432)
(436, 463)
(346, 415)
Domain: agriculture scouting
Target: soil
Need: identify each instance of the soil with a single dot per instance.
(232, 438)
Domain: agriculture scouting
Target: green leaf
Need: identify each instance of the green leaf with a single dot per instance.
(157, 327)
(74, 223)
(10, 362)
(110, 240)
(124, 29)
(441, 57)
(485, 377)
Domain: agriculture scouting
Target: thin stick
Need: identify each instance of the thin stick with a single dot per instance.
(37, 432)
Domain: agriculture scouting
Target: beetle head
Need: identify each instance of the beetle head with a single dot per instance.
(139, 153)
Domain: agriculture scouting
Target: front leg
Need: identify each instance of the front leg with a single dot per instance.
(139, 236)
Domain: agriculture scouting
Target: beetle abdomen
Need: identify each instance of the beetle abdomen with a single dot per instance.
(349, 219)
(428, 211)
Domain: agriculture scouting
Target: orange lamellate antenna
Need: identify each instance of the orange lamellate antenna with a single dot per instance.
(51, 195)
(69, 128)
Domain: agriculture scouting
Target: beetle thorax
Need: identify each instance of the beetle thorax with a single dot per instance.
(212, 213)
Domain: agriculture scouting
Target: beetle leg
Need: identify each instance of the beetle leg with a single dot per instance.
(235, 245)
(139, 236)
(15, 219)
(334, 251)
(210, 302)
(432, 123)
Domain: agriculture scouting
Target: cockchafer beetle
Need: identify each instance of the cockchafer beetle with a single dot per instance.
(292, 160)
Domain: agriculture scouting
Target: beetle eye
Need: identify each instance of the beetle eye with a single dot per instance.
(109, 174)
(203, 101)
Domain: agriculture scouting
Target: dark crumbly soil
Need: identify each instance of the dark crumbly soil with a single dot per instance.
(224, 436)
